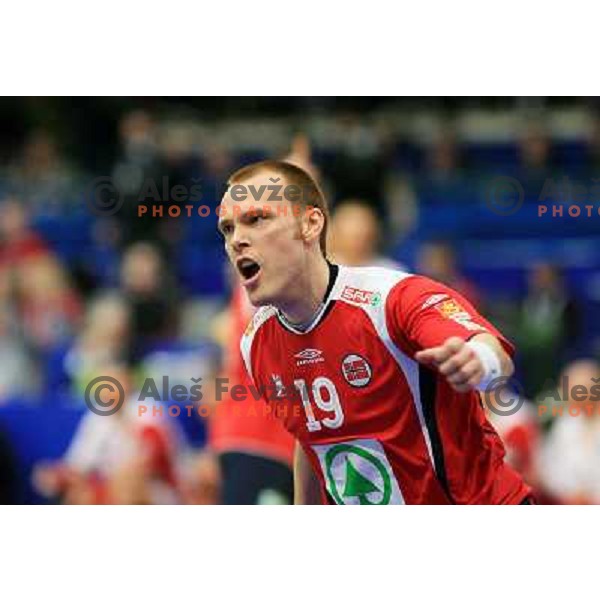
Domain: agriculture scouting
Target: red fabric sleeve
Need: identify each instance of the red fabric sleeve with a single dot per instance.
(156, 446)
(422, 313)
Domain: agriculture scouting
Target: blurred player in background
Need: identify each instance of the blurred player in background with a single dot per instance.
(549, 324)
(354, 237)
(438, 261)
(123, 458)
(520, 432)
(570, 455)
(387, 365)
(255, 451)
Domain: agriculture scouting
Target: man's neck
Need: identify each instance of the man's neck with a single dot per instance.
(313, 289)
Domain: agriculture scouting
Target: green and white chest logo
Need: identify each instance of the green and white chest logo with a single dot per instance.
(358, 472)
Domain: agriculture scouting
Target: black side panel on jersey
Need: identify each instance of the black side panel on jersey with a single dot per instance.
(428, 389)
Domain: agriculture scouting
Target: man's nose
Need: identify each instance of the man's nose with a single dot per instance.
(239, 239)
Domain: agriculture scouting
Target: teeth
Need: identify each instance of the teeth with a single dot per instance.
(246, 262)
(248, 267)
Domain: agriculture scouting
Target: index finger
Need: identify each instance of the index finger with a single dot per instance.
(436, 355)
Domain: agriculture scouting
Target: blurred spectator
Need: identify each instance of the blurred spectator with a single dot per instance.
(32, 280)
(18, 242)
(124, 458)
(206, 182)
(151, 294)
(443, 158)
(358, 167)
(138, 170)
(535, 150)
(521, 434)
(48, 306)
(570, 458)
(41, 177)
(182, 172)
(104, 339)
(537, 163)
(548, 326)
(300, 154)
(443, 182)
(354, 236)
(217, 164)
(18, 376)
(438, 261)
(204, 482)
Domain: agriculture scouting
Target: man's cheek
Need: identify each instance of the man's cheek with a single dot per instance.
(284, 235)
(228, 252)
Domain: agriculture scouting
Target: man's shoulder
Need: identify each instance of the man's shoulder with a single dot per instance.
(260, 317)
(382, 292)
(368, 285)
(374, 287)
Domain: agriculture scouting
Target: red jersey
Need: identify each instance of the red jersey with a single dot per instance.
(238, 426)
(378, 427)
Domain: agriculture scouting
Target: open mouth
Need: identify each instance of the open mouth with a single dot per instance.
(248, 269)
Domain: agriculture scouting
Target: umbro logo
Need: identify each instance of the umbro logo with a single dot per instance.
(310, 356)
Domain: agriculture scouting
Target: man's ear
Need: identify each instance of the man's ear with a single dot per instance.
(312, 223)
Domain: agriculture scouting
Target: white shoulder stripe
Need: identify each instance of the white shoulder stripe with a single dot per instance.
(366, 285)
(261, 316)
(409, 367)
(369, 288)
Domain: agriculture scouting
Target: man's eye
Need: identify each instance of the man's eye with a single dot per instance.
(226, 230)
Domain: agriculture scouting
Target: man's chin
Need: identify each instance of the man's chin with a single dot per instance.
(257, 299)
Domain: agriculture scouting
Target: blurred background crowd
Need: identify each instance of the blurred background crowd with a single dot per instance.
(408, 180)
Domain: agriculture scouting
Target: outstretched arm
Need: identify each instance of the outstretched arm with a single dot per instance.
(442, 329)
